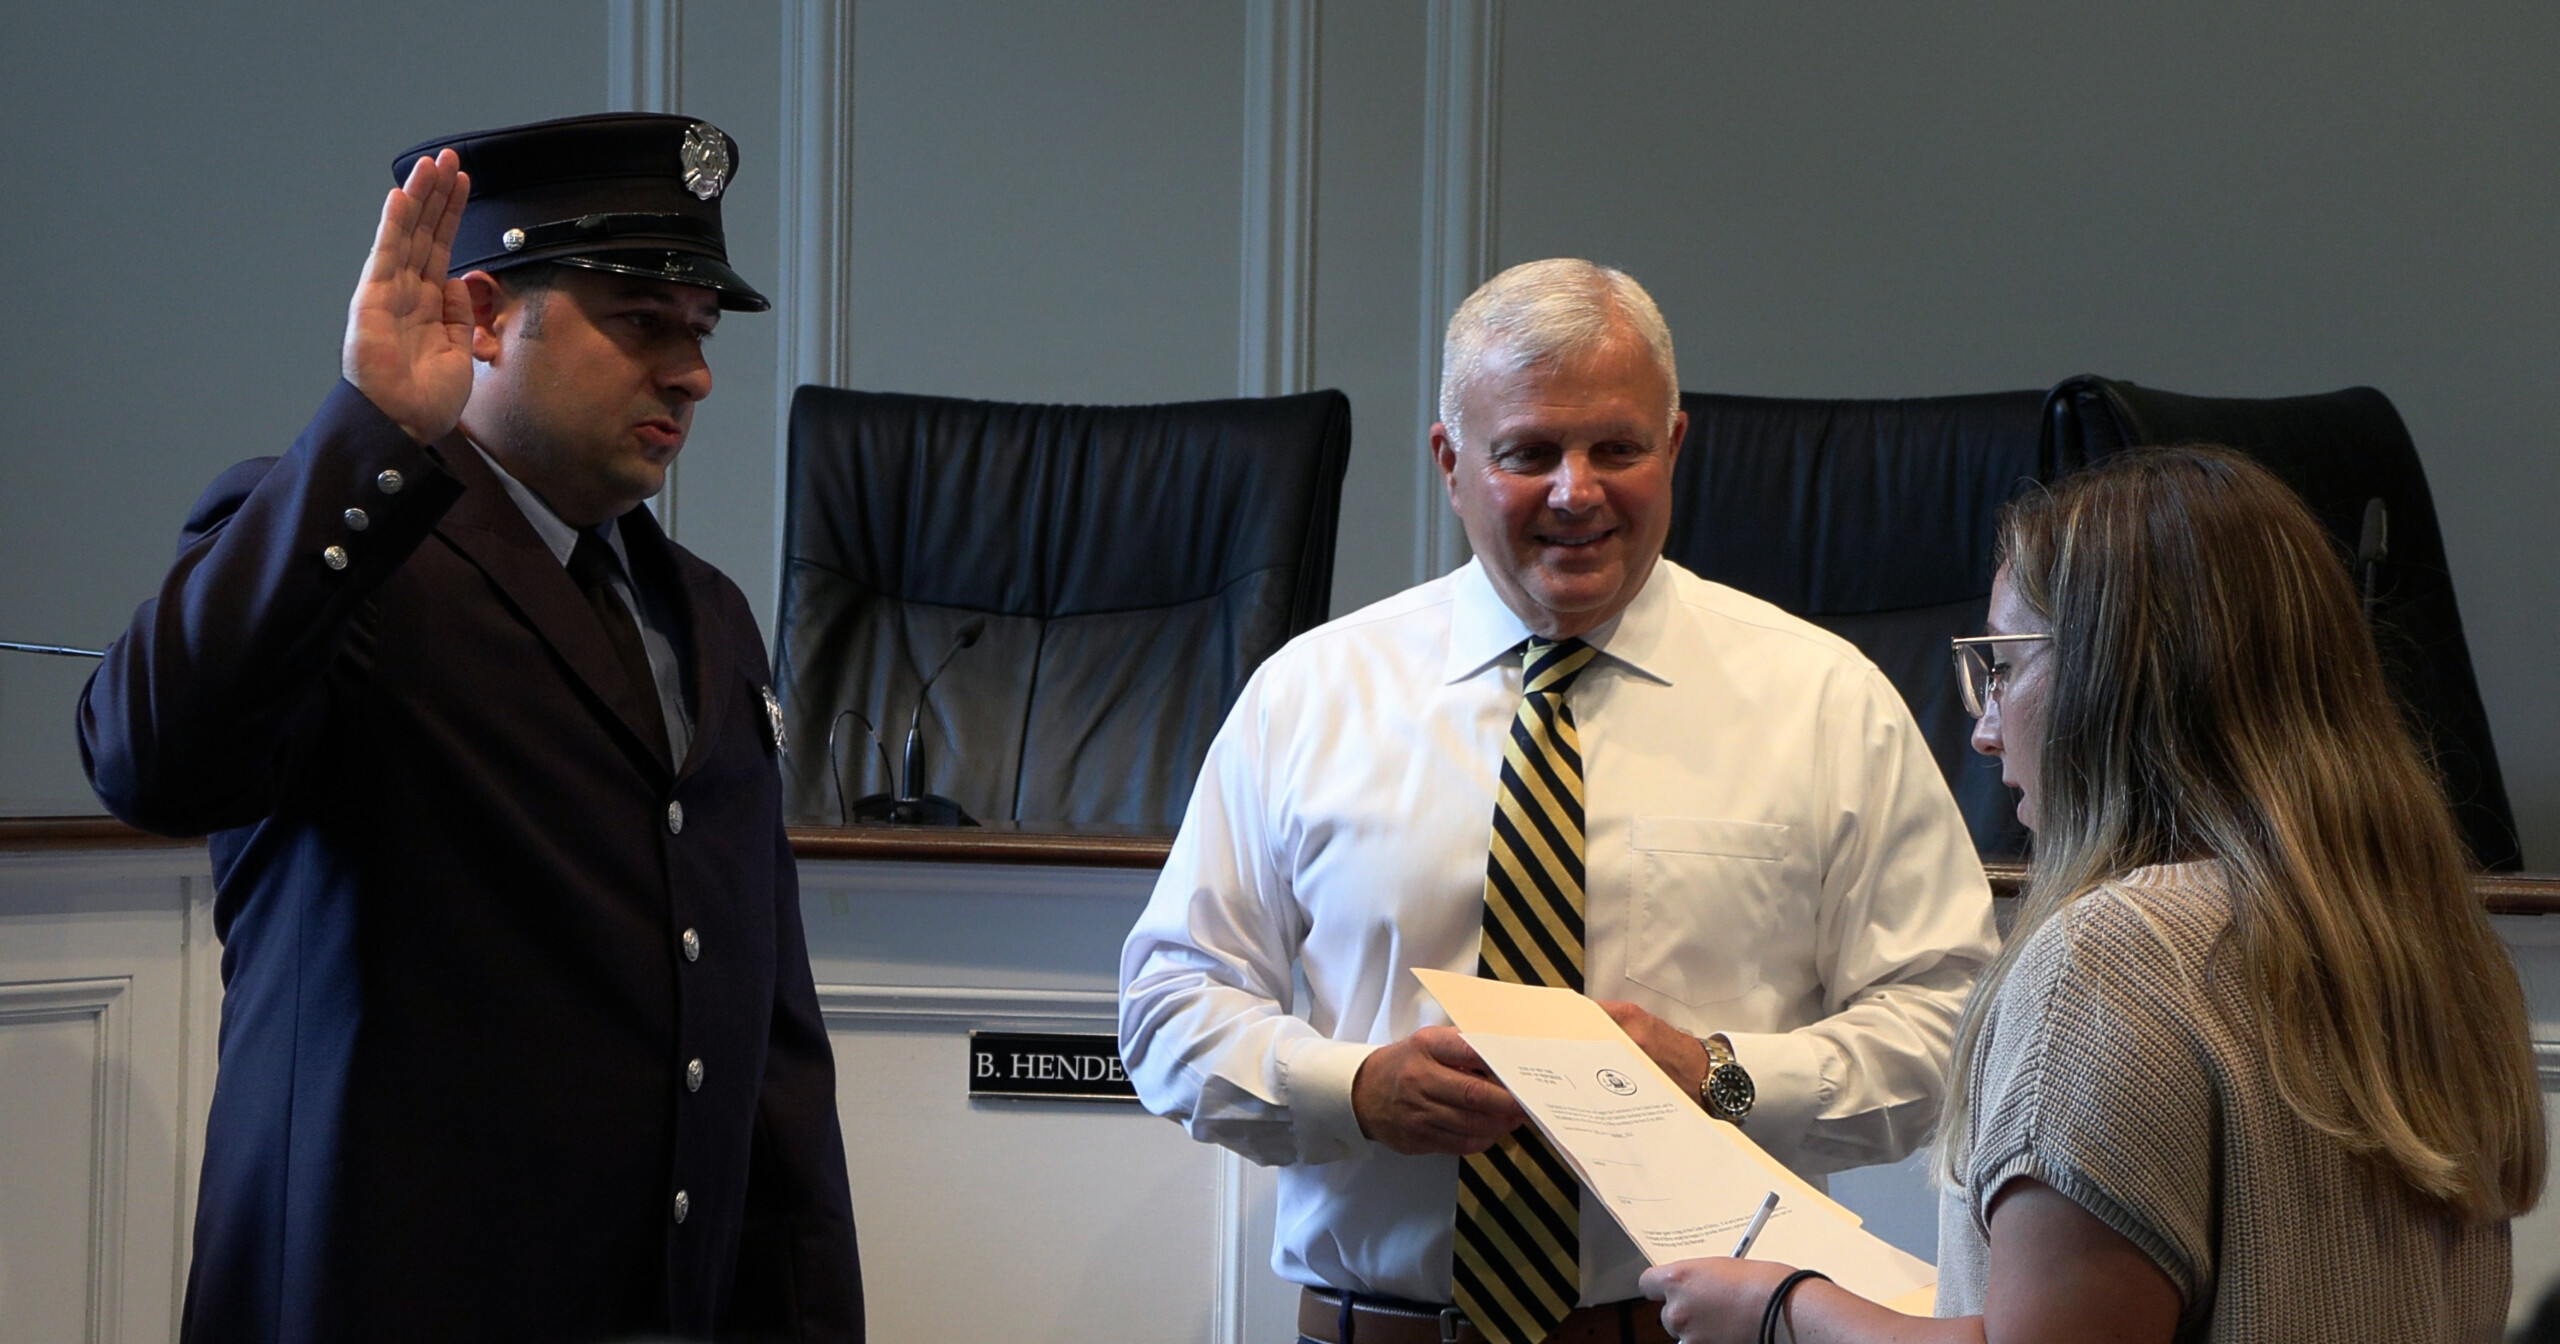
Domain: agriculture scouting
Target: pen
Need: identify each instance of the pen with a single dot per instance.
(1758, 1220)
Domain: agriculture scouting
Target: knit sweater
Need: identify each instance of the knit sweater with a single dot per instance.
(2117, 1067)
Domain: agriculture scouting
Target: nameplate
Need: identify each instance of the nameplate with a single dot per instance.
(1047, 1064)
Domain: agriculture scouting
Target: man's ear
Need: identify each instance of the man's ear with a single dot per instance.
(491, 308)
(1444, 454)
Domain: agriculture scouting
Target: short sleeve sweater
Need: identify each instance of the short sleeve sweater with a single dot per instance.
(2116, 1067)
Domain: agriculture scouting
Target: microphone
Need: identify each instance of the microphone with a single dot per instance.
(911, 784)
(911, 804)
(57, 650)
(835, 771)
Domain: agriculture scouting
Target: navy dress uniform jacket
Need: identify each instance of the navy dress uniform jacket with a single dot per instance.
(475, 927)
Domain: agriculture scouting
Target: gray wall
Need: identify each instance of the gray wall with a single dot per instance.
(1051, 202)
(187, 193)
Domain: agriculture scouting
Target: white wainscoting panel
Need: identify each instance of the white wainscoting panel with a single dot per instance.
(102, 1074)
(1063, 1220)
(1037, 1220)
(1254, 1304)
(65, 1051)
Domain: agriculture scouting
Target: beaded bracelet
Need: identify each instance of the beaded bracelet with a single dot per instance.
(1778, 1302)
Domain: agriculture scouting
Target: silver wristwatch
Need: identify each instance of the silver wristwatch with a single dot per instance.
(1726, 1091)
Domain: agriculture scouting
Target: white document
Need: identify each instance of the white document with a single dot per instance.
(1681, 1183)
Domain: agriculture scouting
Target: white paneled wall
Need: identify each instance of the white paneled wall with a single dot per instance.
(1065, 1220)
(109, 986)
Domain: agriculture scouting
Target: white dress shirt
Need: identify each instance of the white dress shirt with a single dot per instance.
(1770, 853)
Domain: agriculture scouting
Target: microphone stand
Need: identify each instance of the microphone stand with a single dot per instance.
(835, 770)
(911, 805)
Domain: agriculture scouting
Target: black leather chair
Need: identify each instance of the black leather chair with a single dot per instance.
(1132, 565)
(1876, 520)
(2349, 456)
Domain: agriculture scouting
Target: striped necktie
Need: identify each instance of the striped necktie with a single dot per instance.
(1517, 1268)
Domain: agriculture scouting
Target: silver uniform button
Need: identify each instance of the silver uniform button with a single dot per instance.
(693, 1076)
(356, 520)
(692, 945)
(335, 557)
(684, 1205)
(675, 818)
(389, 482)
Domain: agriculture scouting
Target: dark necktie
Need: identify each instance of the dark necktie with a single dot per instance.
(1517, 1269)
(592, 565)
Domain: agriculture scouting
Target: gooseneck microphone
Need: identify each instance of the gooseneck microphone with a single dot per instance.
(57, 650)
(835, 769)
(911, 784)
(911, 805)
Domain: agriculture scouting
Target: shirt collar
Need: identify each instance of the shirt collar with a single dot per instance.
(1483, 629)
(558, 536)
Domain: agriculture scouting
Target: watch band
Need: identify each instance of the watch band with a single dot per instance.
(1726, 1092)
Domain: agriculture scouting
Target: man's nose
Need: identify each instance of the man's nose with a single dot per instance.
(1573, 487)
(688, 375)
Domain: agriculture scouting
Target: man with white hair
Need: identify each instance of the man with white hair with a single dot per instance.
(1571, 763)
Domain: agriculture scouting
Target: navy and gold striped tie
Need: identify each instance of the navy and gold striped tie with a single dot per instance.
(1518, 1262)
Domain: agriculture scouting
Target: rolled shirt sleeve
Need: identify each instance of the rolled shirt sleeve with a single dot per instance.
(1207, 975)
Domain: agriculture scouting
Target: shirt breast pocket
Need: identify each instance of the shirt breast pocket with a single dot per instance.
(1706, 904)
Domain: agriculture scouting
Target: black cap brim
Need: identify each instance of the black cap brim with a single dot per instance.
(680, 268)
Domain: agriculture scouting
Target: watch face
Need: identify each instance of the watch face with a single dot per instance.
(1730, 1088)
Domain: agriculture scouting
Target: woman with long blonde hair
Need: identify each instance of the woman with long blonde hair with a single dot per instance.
(2253, 1064)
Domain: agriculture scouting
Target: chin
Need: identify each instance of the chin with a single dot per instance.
(1575, 599)
(644, 481)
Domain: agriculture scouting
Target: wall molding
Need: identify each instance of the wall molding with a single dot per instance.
(816, 200)
(857, 1004)
(1237, 1258)
(861, 880)
(101, 1001)
(644, 55)
(644, 72)
(1275, 345)
(200, 1052)
(97, 878)
(1461, 158)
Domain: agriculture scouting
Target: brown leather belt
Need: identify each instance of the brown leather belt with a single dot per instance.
(1381, 1320)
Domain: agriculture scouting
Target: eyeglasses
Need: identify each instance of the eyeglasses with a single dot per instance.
(1977, 677)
